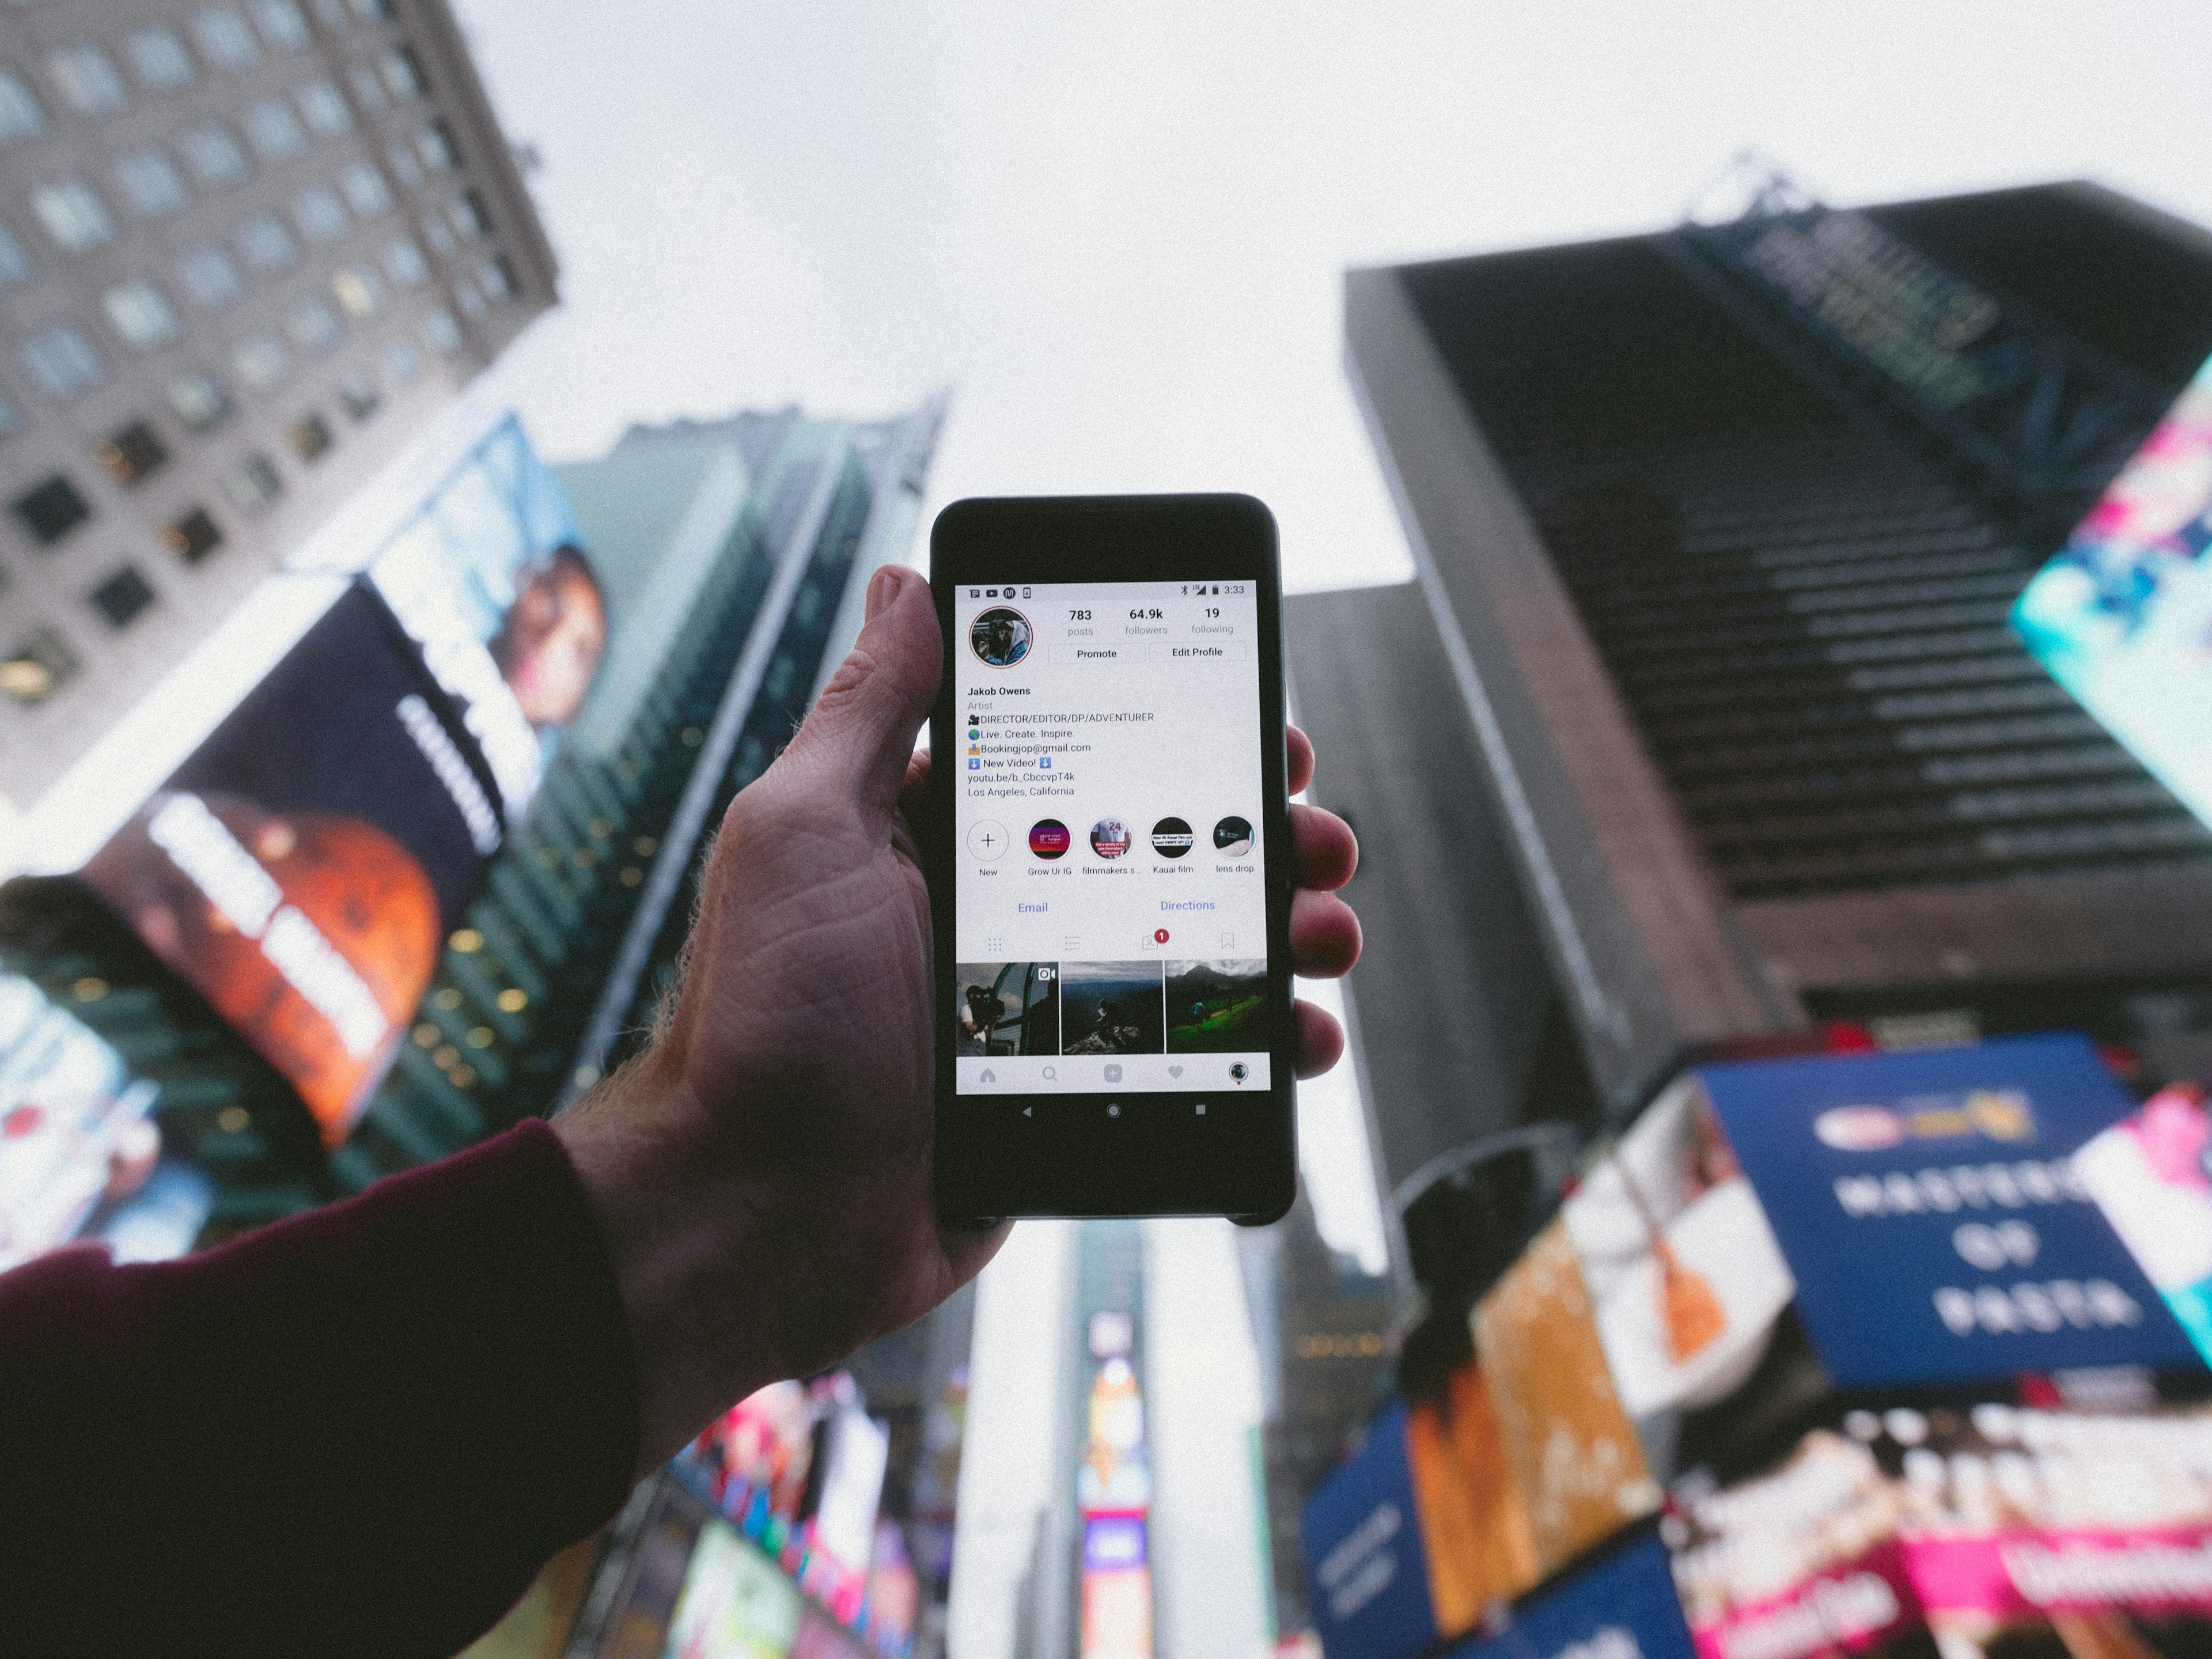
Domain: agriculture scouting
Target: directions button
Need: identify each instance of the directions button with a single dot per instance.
(988, 840)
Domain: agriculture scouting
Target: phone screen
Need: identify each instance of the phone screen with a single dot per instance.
(1109, 892)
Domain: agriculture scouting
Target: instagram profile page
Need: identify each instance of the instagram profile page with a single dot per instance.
(1111, 901)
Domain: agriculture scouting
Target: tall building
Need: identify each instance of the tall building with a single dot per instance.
(1716, 531)
(734, 555)
(246, 252)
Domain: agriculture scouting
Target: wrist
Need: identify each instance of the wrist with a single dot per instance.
(686, 1234)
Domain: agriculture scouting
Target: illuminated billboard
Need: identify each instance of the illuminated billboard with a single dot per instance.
(2121, 614)
(301, 868)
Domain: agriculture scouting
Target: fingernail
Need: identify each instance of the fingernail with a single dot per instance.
(881, 587)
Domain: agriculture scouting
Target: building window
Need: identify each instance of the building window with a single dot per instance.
(198, 401)
(223, 39)
(253, 484)
(332, 14)
(259, 360)
(208, 277)
(439, 234)
(364, 189)
(472, 302)
(11, 418)
(21, 117)
(402, 361)
(268, 247)
(87, 79)
(150, 183)
(123, 598)
(441, 333)
(37, 667)
(310, 437)
(73, 214)
(496, 276)
(323, 106)
(141, 314)
(192, 537)
(403, 73)
(313, 326)
(433, 143)
(50, 509)
(467, 212)
(62, 358)
(15, 267)
(131, 454)
(372, 11)
(320, 215)
(404, 165)
(274, 131)
(359, 290)
(282, 25)
(403, 263)
(358, 392)
(214, 156)
(367, 91)
(158, 58)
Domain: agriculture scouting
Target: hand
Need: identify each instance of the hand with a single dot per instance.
(761, 1172)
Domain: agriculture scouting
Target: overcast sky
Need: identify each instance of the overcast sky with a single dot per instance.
(1119, 228)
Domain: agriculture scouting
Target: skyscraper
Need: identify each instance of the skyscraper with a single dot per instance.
(1716, 530)
(246, 252)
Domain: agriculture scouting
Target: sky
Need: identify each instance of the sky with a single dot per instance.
(1119, 231)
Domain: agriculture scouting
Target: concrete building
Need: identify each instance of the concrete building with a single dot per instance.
(247, 250)
(1716, 531)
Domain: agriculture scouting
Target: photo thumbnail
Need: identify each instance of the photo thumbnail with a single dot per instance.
(1217, 1007)
(1109, 838)
(999, 636)
(1008, 1008)
(1171, 838)
(1049, 839)
(1232, 838)
(1112, 1008)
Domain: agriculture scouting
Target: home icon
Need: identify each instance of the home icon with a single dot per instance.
(988, 1076)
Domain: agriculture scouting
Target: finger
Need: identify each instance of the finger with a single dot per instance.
(1301, 757)
(860, 737)
(1323, 848)
(1324, 935)
(913, 793)
(1321, 1039)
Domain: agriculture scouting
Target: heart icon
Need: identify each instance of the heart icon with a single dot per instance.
(1175, 1071)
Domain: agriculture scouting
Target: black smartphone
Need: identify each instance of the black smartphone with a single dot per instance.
(1112, 886)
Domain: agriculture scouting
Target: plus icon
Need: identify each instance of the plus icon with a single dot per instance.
(988, 840)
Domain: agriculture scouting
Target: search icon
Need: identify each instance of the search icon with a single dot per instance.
(1051, 1075)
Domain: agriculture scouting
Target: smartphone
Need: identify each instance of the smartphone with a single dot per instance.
(1112, 888)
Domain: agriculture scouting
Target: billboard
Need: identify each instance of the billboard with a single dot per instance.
(1363, 1551)
(489, 578)
(1623, 1606)
(2121, 614)
(2149, 1175)
(1953, 1169)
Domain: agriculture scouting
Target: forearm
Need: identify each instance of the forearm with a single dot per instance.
(360, 1430)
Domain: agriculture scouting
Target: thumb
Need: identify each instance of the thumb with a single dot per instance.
(858, 738)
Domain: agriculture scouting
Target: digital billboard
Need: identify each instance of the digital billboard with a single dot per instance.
(490, 578)
(2121, 614)
(301, 868)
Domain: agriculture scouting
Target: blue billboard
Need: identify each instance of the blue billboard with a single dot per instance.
(1927, 1205)
(1621, 1606)
(1363, 1555)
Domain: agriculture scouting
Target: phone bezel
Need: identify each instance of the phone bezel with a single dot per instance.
(1064, 1154)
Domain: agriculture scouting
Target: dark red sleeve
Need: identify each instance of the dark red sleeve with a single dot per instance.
(357, 1432)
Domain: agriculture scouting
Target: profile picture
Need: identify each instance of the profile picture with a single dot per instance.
(1112, 1008)
(1049, 839)
(999, 636)
(1232, 838)
(1170, 838)
(1109, 838)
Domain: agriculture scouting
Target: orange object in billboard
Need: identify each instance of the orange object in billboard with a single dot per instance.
(1475, 1531)
(1573, 1452)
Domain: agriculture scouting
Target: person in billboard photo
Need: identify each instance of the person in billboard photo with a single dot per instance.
(552, 635)
(362, 1430)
